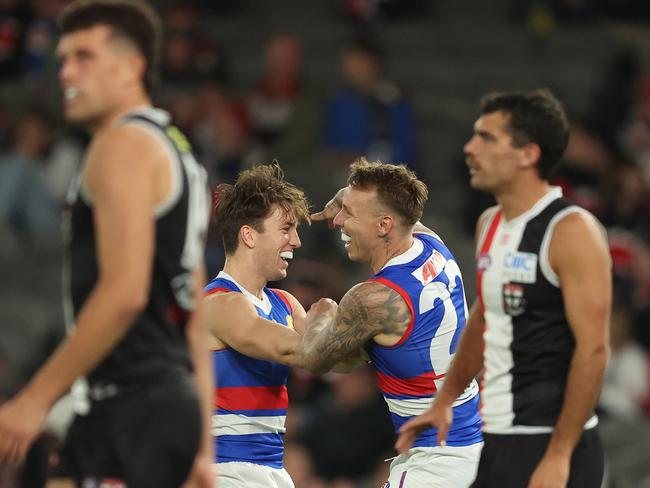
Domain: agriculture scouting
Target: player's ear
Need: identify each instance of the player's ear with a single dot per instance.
(532, 152)
(385, 225)
(247, 236)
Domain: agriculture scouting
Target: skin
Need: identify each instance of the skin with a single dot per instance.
(578, 254)
(255, 262)
(107, 72)
(370, 310)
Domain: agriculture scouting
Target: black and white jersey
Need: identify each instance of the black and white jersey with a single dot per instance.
(528, 342)
(156, 341)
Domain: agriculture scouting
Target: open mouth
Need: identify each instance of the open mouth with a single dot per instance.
(346, 239)
(286, 255)
(70, 93)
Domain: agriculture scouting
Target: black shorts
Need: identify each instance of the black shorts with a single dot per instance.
(146, 440)
(508, 461)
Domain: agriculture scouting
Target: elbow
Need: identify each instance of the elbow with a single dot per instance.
(314, 364)
(596, 355)
(124, 299)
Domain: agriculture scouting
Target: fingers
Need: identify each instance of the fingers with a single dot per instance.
(13, 453)
(442, 433)
(318, 216)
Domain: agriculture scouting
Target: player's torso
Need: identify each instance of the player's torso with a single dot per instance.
(410, 372)
(156, 340)
(251, 398)
(528, 343)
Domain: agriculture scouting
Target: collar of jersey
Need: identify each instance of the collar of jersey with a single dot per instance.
(264, 304)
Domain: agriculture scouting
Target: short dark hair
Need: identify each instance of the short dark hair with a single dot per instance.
(133, 20)
(397, 187)
(535, 116)
(251, 200)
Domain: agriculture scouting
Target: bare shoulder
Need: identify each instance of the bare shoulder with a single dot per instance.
(296, 306)
(576, 237)
(114, 151)
(377, 306)
(579, 224)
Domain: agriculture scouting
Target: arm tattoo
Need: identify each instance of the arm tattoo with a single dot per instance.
(365, 311)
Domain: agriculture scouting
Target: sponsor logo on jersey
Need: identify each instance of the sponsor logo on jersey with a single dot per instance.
(514, 303)
(431, 268)
(520, 266)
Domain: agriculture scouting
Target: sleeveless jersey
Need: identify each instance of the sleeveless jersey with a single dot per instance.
(156, 341)
(528, 342)
(410, 372)
(251, 399)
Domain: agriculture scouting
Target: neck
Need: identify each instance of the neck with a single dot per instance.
(245, 272)
(521, 196)
(390, 247)
(126, 104)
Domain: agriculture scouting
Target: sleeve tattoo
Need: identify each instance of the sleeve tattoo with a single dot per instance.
(365, 311)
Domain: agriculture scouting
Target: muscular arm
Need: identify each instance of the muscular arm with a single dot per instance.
(467, 363)
(369, 309)
(232, 319)
(124, 198)
(578, 254)
(197, 338)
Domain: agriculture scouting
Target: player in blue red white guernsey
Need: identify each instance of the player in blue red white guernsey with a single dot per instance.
(540, 328)
(254, 328)
(409, 316)
(134, 230)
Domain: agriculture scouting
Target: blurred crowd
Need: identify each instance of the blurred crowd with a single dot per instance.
(339, 433)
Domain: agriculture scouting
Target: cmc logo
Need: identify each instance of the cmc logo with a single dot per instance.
(520, 260)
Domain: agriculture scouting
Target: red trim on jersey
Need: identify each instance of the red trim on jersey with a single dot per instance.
(251, 398)
(416, 386)
(218, 290)
(407, 299)
(283, 297)
(485, 247)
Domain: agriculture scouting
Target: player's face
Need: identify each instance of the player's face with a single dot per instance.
(490, 156)
(94, 74)
(276, 244)
(358, 220)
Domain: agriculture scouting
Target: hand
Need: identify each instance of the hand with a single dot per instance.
(203, 473)
(551, 472)
(21, 420)
(322, 309)
(439, 415)
(330, 210)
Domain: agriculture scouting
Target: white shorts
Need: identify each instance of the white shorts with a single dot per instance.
(431, 467)
(249, 475)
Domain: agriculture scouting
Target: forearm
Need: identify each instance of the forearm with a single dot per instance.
(101, 324)
(203, 376)
(313, 346)
(468, 360)
(580, 397)
(289, 352)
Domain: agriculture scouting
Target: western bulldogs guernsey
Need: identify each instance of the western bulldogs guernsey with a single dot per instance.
(410, 372)
(251, 394)
(528, 342)
(156, 341)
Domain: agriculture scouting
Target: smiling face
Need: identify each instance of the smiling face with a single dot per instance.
(275, 243)
(97, 70)
(492, 159)
(359, 220)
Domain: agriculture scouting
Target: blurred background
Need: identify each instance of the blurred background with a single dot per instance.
(314, 85)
